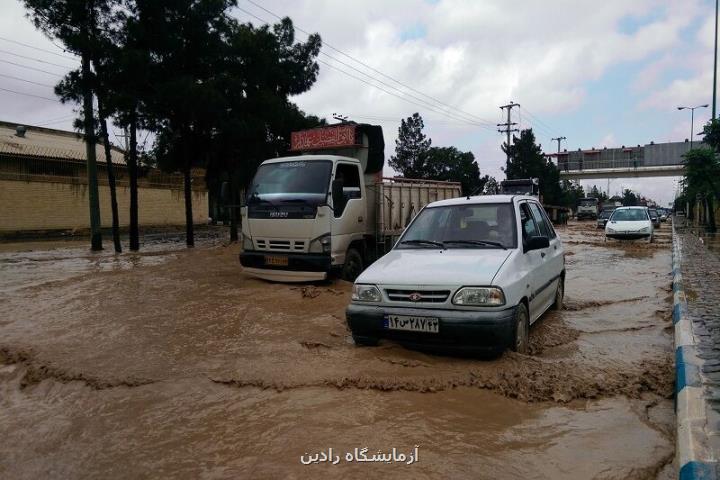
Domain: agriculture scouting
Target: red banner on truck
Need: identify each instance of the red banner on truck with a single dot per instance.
(336, 136)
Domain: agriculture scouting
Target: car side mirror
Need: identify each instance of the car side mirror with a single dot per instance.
(537, 243)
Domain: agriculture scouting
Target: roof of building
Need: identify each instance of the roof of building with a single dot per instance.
(50, 143)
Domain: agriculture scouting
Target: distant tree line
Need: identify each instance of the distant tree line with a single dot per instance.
(214, 91)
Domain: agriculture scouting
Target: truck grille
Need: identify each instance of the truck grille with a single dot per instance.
(418, 296)
(280, 245)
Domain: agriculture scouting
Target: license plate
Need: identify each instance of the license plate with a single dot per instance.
(412, 324)
(276, 260)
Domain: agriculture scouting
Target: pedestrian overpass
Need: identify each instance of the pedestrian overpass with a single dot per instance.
(651, 160)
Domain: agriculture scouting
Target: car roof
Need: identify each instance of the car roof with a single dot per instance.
(479, 200)
(632, 208)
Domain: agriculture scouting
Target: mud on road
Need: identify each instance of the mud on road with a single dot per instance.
(172, 363)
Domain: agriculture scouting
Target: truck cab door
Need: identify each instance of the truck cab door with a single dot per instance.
(349, 208)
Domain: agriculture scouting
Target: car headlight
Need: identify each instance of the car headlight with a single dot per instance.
(247, 243)
(366, 293)
(490, 296)
(321, 244)
(644, 230)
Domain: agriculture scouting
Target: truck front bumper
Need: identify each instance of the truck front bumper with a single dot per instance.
(459, 330)
(301, 267)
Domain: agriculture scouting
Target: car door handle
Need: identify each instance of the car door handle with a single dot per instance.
(542, 254)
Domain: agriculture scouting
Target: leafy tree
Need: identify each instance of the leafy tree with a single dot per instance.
(572, 192)
(450, 164)
(629, 198)
(75, 24)
(492, 187)
(711, 130)
(595, 192)
(410, 147)
(526, 160)
(702, 179)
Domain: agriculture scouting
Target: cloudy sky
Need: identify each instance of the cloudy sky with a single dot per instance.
(605, 73)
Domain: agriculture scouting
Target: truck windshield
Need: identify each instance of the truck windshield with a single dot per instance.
(292, 181)
(588, 202)
(463, 226)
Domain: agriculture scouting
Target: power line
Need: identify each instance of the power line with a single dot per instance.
(440, 102)
(29, 94)
(34, 59)
(39, 49)
(401, 98)
(508, 125)
(27, 81)
(31, 68)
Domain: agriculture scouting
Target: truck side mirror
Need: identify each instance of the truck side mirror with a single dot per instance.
(336, 190)
(225, 193)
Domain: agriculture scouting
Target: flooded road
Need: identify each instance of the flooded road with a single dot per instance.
(172, 364)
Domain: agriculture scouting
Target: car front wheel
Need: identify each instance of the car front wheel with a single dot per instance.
(522, 329)
(559, 294)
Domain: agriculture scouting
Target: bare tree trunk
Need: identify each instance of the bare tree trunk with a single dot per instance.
(111, 180)
(89, 125)
(132, 170)
(189, 232)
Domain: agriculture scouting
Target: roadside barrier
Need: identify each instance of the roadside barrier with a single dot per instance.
(694, 460)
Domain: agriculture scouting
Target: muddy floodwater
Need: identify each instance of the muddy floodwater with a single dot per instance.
(173, 364)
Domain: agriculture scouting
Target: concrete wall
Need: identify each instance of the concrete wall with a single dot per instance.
(51, 205)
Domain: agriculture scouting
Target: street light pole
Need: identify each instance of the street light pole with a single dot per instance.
(715, 61)
(692, 120)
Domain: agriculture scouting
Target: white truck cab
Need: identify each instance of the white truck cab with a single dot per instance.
(468, 273)
(329, 208)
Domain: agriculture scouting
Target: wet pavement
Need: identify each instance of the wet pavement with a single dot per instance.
(173, 364)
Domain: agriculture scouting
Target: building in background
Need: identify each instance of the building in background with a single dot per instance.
(43, 185)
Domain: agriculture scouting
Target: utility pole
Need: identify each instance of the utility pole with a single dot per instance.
(508, 125)
(559, 139)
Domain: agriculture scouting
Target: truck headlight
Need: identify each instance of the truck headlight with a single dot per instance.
(321, 244)
(490, 296)
(247, 243)
(366, 293)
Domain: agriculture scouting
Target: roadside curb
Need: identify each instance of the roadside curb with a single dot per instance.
(693, 459)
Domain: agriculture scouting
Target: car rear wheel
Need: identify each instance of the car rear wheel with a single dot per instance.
(559, 295)
(353, 265)
(522, 329)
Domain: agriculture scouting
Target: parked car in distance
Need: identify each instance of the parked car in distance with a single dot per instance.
(654, 217)
(663, 217)
(468, 274)
(630, 223)
(603, 218)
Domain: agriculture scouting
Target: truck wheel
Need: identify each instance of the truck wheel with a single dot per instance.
(522, 329)
(353, 265)
(559, 295)
(363, 341)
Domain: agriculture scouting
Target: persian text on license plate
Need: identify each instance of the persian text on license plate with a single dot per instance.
(276, 260)
(412, 324)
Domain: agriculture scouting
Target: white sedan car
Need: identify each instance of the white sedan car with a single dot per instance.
(468, 274)
(630, 223)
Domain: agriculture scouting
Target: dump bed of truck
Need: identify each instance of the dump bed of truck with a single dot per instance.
(399, 199)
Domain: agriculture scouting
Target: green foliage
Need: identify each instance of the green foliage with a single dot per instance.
(450, 164)
(630, 198)
(526, 160)
(595, 192)
(411, 147)
(711, 131)
(572, 192)
(492, 187)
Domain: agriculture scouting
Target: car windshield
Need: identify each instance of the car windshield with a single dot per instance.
(653, 213)
(463, 226)
(629, 215)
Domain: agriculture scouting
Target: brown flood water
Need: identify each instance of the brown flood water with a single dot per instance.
(173, 364)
